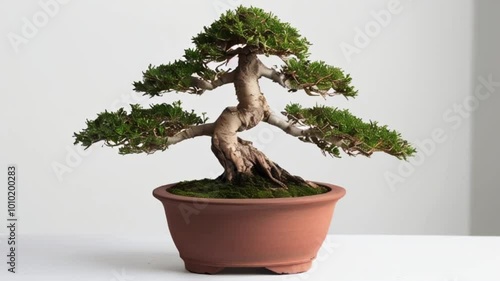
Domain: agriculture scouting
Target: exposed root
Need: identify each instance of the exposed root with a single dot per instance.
(249, 161)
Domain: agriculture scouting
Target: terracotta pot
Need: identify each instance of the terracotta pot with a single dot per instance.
(280, 234)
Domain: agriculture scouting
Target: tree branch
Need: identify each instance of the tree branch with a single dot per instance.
(307, 134)
(289, 127)
(332, 129)
(192, 132)
(144, 129)
(225, 78)
(272, 75)
(325, 141)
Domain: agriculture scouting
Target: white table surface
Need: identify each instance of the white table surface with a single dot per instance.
(342, 257)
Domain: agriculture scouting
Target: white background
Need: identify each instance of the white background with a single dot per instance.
(84, 59)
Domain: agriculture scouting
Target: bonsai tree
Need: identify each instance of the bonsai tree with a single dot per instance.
(246, 35)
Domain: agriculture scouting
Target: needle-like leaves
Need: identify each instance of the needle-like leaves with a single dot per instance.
(332, 128)
(141, 130)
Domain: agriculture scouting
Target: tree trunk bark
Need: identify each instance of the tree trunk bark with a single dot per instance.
(238, 157)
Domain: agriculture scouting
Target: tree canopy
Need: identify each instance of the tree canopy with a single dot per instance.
(263, 33)
(246, 29)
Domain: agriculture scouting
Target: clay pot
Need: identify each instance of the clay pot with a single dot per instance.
(280, 234)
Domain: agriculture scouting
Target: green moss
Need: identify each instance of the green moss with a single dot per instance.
(252, 187)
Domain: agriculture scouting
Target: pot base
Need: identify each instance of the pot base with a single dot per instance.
(291, 268)
(202, 268)
(280, 269)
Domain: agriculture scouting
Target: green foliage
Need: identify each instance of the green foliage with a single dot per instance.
(176, 76)
(250, 187)
(141, 130)
(318, 77)
(148, 130)
(333, 128)
(262, 33)
(253, 27)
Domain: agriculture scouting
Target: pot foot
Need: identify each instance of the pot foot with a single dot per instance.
(202, 269)
(292, 268)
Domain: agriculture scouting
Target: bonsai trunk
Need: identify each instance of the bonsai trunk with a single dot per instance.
(238, 157)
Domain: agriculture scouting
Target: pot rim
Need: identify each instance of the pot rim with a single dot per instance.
(334, 193)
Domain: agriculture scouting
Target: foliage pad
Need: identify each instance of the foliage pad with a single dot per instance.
(176, 76)
(318, 77)
(254, 27)
(332, 128)
(141, 130)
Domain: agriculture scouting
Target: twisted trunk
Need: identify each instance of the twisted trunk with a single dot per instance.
(238, 157)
